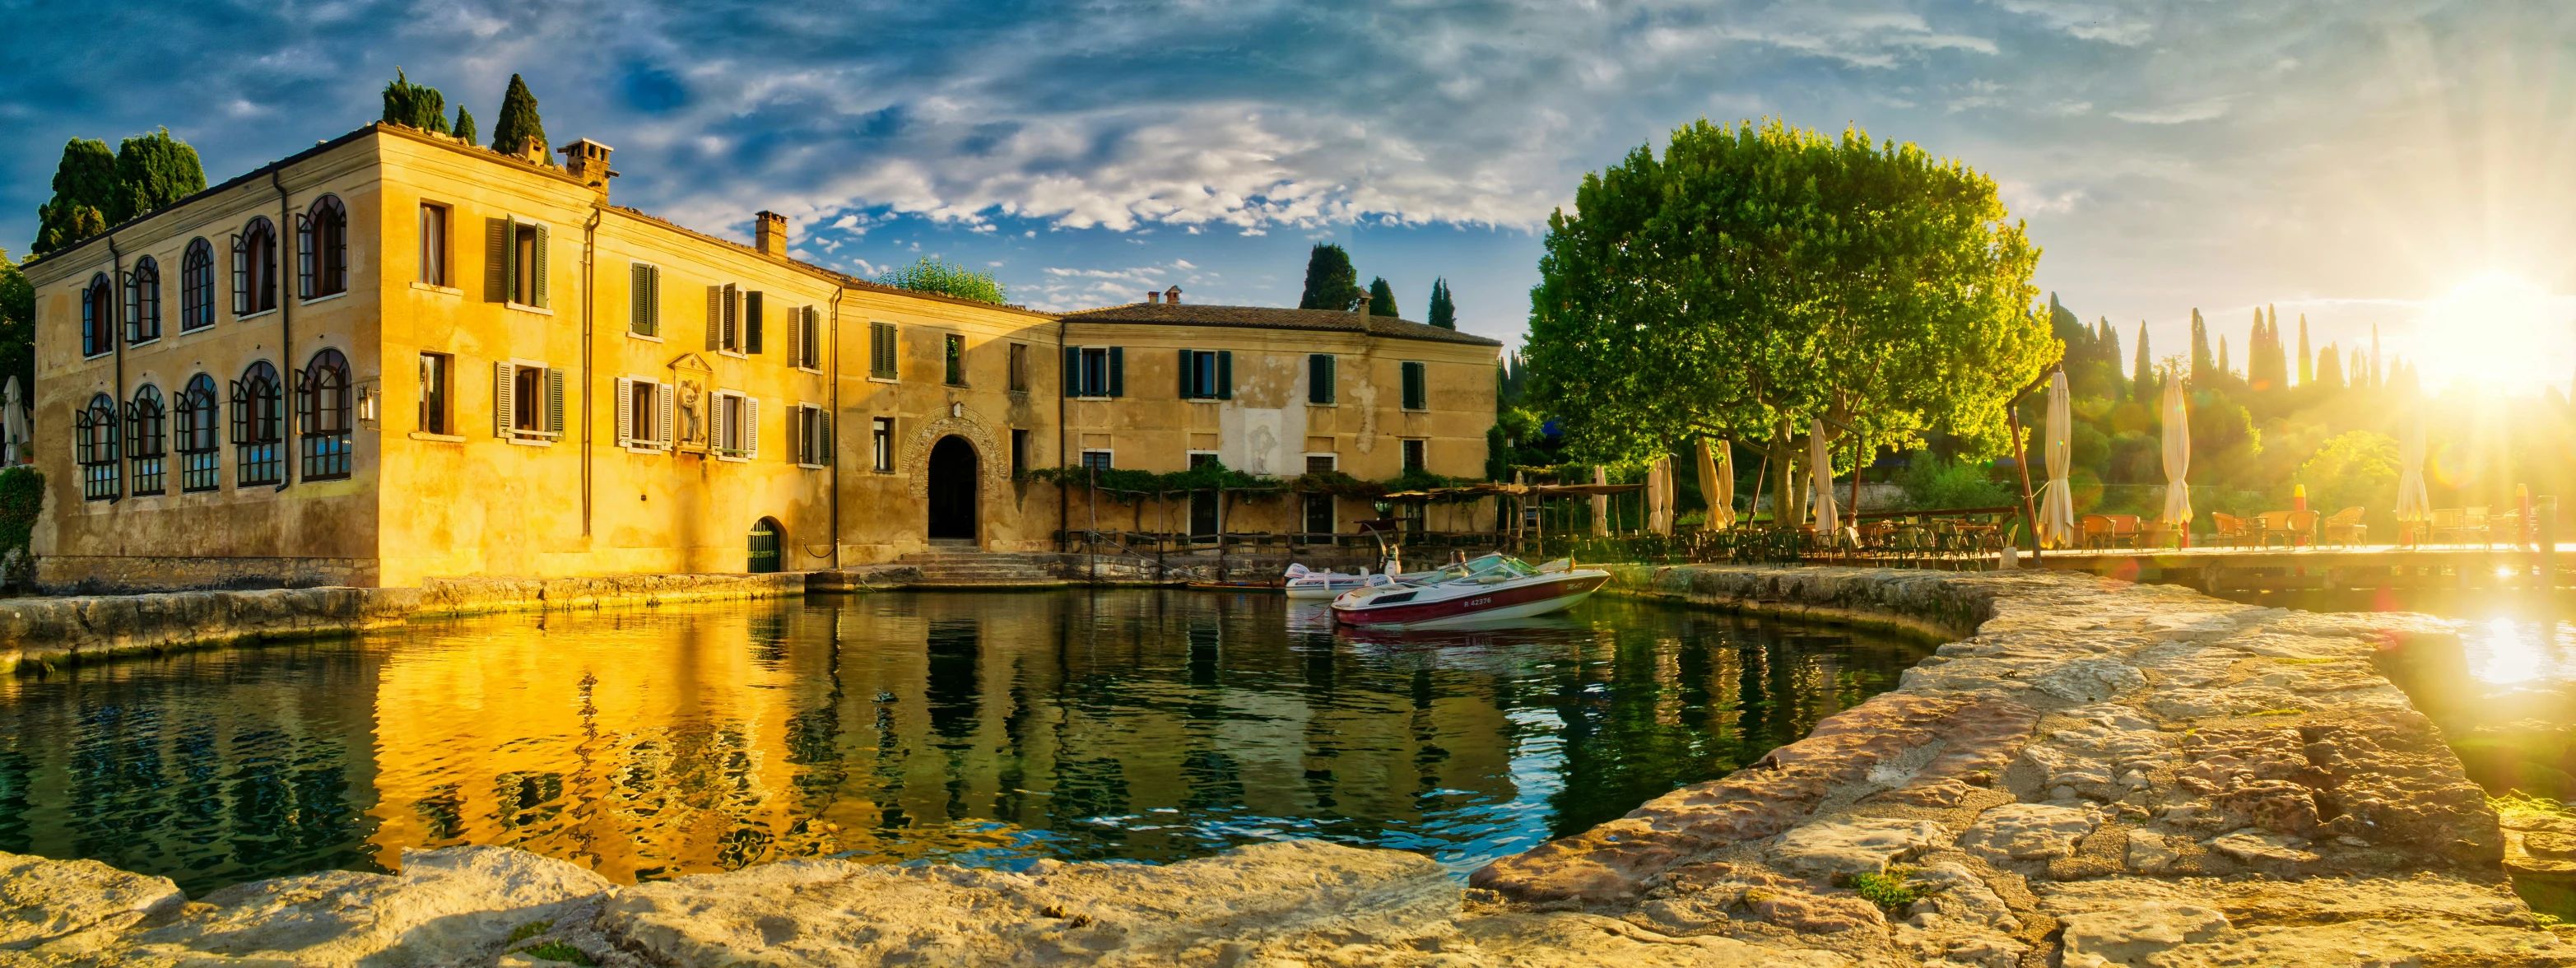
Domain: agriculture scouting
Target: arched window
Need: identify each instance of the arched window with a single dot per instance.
(258, 426)
(322, 406)
(197, 286)
(322, 249)
(144, 420)
(94, 446)
(98, 317)
(196, 440)
(255, 268)
(143, 301)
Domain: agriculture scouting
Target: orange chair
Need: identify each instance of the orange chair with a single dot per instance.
(2231, 530)
(2095, 530)
(2344, 527)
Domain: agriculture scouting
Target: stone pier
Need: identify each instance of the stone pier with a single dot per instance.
(2093, 774)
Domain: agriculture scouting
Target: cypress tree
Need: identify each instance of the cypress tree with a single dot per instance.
(84, 192)
(2201, 362)
(414, 105)
(1444, 312)
(154, 170)
(1331, 283)
(2329, 367)
(1382, 298)
(2224, 369)
(2142, 388)
(2307, 371)
(519, 131)
(2111, 355)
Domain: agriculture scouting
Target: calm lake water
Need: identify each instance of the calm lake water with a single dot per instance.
(986, 729)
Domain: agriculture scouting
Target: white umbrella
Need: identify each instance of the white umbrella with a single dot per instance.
(1820, 470)
(2414, 504)
(2177, 430)
(1717, 482)
(1659, 488)
(2056, 501)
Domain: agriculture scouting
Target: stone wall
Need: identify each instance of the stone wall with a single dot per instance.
(2099, 774)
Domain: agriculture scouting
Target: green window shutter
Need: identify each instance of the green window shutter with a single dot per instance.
(1072, 371)
(554, 401)
(496, 261)
(824, 432)
(752, 315)
(1225, 374)
(1189, 374)
(715, 317)
(653, 301)
(537, 269)
(639, 298)
(1117, 371)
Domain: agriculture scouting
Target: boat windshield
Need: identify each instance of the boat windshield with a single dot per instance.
(1488, 569)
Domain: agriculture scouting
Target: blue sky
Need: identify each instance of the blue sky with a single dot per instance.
(2357, 162)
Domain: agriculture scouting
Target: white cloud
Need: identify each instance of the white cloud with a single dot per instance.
(2202, 110)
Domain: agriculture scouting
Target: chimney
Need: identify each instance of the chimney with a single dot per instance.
(772, 232)
(1153, 297)
(588, 160)
(1172, 295)
(1362, 308)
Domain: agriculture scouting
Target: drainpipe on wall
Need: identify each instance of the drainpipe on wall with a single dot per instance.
(116, 333)
(1062, 392)
(832, 399)
(589, 278)
(286, 326)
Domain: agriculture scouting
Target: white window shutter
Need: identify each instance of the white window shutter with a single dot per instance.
(751, 426)
(663, 392)
(505, 386)
(625, 411)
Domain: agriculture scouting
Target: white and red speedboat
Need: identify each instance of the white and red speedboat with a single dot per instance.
(1486, 589)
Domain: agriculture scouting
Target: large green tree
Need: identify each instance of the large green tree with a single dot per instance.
(464, 129)
(84, 193)
(1444, 310)
(1382, 298)
(1331, 283)
(417, 105)
(518, 128)
(1756, 276)
(17, 324)
(153, 170)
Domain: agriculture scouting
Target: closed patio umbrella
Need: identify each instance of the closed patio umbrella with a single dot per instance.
(2414, 504)
(1659, 495)
(1717, 482)
(1820, 470)
(2056, 502)
(2177, 432)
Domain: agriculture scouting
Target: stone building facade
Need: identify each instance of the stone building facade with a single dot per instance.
(397, 356)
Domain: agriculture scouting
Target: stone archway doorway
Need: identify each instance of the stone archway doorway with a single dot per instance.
(952, 489)
(767, 537)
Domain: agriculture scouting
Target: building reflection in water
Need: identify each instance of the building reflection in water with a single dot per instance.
(987, 729)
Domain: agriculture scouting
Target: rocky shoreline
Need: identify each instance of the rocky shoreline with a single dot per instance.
(2101, 774)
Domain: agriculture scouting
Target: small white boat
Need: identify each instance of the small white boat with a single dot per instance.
(1491, 588)
(1307, 583)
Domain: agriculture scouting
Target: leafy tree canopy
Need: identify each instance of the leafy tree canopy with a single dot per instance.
(153, 170)
(1757, 276)
(932, 275)
(84, 192)
(1331, 283)
(519, 128)
(1444, 312)
(17, 324)
(415, 105)
(1382, 298)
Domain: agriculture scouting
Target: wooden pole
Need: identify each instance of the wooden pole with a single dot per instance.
(2021, 462)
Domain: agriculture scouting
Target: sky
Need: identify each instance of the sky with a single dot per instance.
(2404, 164)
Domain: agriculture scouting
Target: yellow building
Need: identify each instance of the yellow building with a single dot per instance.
(397, 356)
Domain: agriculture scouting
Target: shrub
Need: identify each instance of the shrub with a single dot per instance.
(932, 275)
(22, 494)
(1932, 482)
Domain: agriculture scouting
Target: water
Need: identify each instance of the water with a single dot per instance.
(988, 729)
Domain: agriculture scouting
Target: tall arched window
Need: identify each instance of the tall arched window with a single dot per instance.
(322, 404)
(322, 249)
(143, 301)
(255, 268)
(197, 286)
(94, 446)
(197, 441)
(144, 420)
(98, 317)
(258, 425)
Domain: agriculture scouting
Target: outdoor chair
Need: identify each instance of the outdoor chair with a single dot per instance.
(2345, 528)
(2474, 526)
(2095, 530)
(2292, 527)
(2126, 530)
(2231, 530)
(2449, 526)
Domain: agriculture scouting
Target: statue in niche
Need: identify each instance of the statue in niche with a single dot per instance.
(693, 423)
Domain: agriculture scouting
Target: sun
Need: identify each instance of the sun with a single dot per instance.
(2499, 330)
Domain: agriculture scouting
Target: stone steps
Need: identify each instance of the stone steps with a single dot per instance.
(963, 568)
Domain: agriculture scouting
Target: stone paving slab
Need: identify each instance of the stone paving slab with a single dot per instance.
(2093, 774)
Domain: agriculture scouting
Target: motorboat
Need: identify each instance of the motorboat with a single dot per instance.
(1307, 583)
(1489, 588)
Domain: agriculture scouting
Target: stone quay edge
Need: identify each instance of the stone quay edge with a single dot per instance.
(2096, 774)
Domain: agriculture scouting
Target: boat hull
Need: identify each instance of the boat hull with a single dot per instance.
(1519, 601)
